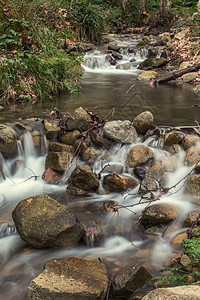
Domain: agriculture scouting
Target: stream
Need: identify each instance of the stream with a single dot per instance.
(103, 88)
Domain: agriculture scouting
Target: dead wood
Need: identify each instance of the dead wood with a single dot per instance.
(173, 75)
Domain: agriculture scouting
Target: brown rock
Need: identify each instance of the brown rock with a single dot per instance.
(69, 138)
(70, 278)
(84, 178)
(174, 137)
(59, 147)
(57, 161)
(189, 141)
(191, 218)
(147, 185)
(158, 214)
(51, 129)
(160, 167)
(78, 120)
(119, 183)
(50, 176)
(143, 121)
(178, 239)
(139, 155)
(192, 156)
(193, 185)
(90, 155)
(8, 141)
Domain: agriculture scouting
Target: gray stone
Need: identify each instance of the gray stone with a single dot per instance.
(120, 131)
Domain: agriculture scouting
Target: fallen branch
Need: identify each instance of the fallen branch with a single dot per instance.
(173, 75)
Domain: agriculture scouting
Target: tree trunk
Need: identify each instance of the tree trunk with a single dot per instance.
(174, 75)
(165, 8)
(142, 6)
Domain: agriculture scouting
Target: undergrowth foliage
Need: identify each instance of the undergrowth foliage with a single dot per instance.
(32, 63)
(183, 273)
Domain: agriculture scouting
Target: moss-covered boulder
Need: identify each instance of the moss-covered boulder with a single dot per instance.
(84, 178)
(8, 141)
(57, 161)
(43, 222)
(152, 63)
(70, 278)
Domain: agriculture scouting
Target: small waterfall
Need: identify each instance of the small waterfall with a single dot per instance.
(6, 230)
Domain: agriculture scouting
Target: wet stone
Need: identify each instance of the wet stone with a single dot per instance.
(8, 141)
(51, 129)
(70, 137)
(57, 161)
(120, 131)
(139, 155)
(191, 218)
(84, 178)
(143, 122)
(119, 183)
(50, 176)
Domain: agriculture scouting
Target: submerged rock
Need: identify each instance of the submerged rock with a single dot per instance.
(158, 214)
(84, 178)
(179, 293)
(147, 75)
(160, 168)
(120, 131)
(139, 155)
(70, 278)
(8, 141)
(43, 222)
(129, 280)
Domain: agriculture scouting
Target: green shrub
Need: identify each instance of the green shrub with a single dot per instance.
(180, 274)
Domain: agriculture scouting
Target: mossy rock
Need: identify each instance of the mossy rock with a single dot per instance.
(142, 44)
(8, 141)
(43, 222)
(152, 63)
(84, 178)
(57, 161)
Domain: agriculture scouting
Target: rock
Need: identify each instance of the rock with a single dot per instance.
(184, 65)
(90, 155)
(70, 278)
(192, 156)
(116, 47)
(129, 280)
(117, 56)
(43, 222)
(147, 75)
(38, 140)
(80, 145)
(143, 122)
(113, 168)
(8, 141)
(79, 120)
(152, 52)
(119, 183)
(120, 131)
(179, 293)
(60, 147)
(51, 129)
(178, 239)
(148, 184)
(173, 137)
(85, 47)
(139, 155)
(74, 191)
(99, 139)
(50, 176)
(83, 178)
(158, 214)
(156, 42)
(125, 66)
(189, 77)
(16, 165)
(140, 171)
(152, 63)
(166, 38)
(193, 185)
(180, 35)
(191, 218)
(169, 231)
(160, 168)
(57, 161)
(111, 60)
(196, 89)
(189, 141)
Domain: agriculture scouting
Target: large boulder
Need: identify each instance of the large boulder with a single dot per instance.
(78, 120)
(143, 122)
(129, 280)
(152, 63)
(188, 292)
(158, 214)
(139, 155)
(8, 141)
(70, 278)
(57, 161)
(84, 178)
(120, 131)
(43, 222)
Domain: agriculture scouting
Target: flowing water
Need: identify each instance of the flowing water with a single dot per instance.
(116, 239)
